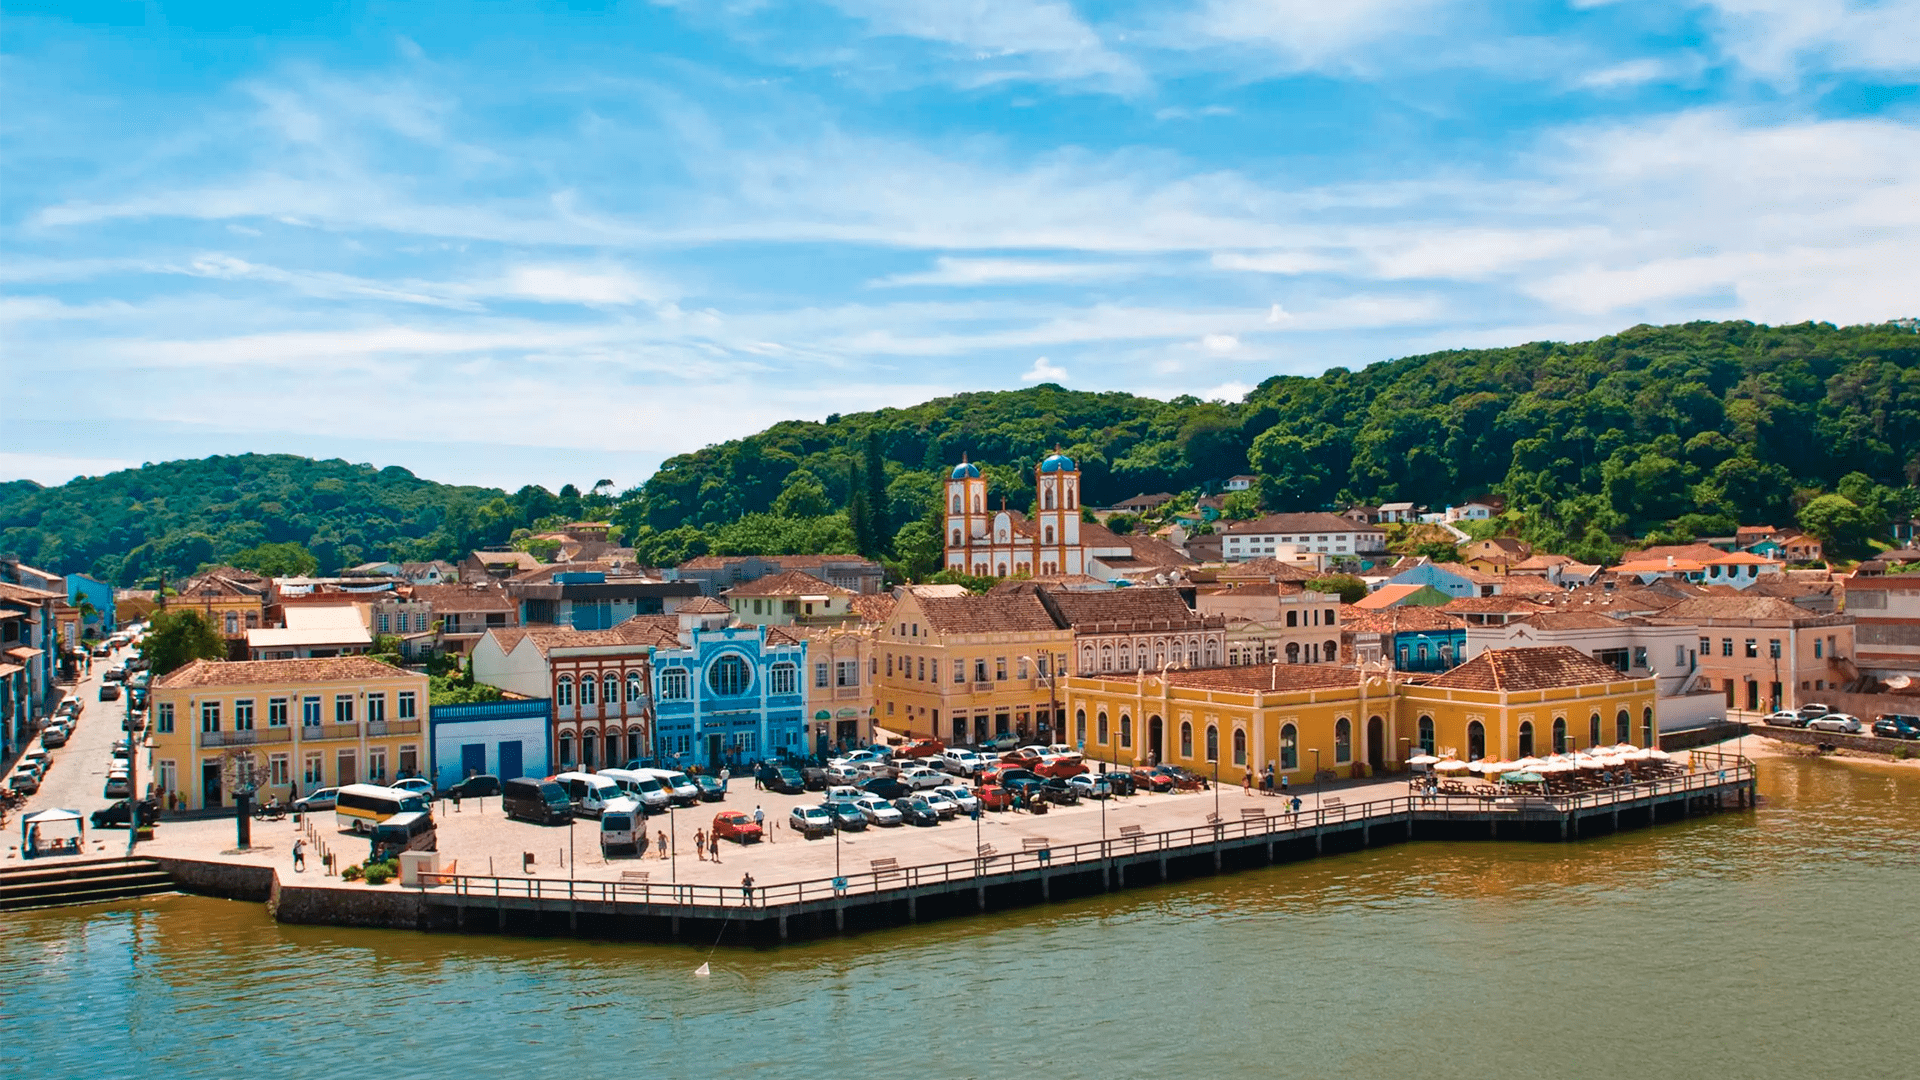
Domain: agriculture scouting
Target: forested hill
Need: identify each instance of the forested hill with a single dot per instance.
(174, 517)
(1681, 429)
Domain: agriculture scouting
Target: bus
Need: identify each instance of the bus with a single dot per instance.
(365, 805)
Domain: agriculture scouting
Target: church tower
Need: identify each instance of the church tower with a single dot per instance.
(1056, 522)
(966, 520)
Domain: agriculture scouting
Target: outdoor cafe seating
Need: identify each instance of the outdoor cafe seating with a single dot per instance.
(52, 832)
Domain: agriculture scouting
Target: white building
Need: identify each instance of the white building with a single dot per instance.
(1316, 534)
(1666, 654)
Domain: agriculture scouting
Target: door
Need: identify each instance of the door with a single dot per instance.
(1153, 740)
(716, 755)
(510, 761)
(959, 730)
(210, 784)
(349, 770)
(1376, 743)
(473, 759)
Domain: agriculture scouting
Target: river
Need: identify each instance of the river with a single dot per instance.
(1751, 945)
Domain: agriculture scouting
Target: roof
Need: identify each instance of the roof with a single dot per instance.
(1661, 552)
(1269, 677)
(1300, 523)
(703, 605)
(485, 595)
(1400, 620)
(1266, 568)
(1396, 506)
(1542, 562)
(1592, 598)
(642, 630)
(1493, 605)
(786, 562)
(1147, 549)
(1117, 608)
(1386, 596)
(314, 624)
(872, 607)
(1538, 668)
(27, 595)
(519, 559)
(203, 673)
(1568, 620)
(787, 583)
(1753, 608)
(1002, 613)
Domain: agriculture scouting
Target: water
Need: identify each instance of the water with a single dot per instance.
(1753, 945)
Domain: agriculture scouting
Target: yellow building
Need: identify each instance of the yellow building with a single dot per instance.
(288, 726)
(234, 601)
(843, 684)
(966, 667)
(1347, 722)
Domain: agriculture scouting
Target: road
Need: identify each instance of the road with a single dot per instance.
(79, 772)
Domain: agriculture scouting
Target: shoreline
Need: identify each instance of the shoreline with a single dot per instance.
(1757, 747)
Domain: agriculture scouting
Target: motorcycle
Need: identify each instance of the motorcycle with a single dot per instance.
(273, 811)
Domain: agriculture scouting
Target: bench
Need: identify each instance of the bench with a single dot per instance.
(1035, 843)
(1252, 813)
(1131, 832)
(1213, 819)
(638, 877)
(885, 868)
(986, 851)
(1333, 800)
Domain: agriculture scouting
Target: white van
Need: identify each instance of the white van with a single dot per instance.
(622, 826)
(650, 793)
(679, 788)
(588, 793)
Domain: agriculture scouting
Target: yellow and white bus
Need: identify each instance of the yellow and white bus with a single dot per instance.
(359, 807)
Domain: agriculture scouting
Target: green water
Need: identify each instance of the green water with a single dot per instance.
(1749, 945)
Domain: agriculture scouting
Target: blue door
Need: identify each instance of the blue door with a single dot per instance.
(510, 768)
(473, 759)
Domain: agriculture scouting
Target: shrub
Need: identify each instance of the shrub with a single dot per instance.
(379, 873)
(351, 873)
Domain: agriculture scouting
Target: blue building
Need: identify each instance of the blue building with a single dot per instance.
(588, 600)
(729, 694)
(507, 739)
(1413, 638)
(99, 595)
(1455, 580)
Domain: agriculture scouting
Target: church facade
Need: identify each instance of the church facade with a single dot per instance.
(1002, 543)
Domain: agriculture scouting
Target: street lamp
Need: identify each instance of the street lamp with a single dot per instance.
(1053, 698)
(1406, 747)
(1316, 777)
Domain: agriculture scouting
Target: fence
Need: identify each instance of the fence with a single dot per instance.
(1719, 772)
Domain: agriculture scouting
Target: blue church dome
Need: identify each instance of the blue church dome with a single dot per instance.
(1057, 462)
(965, 471)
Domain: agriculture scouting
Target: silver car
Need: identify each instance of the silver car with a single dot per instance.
(1838, 721)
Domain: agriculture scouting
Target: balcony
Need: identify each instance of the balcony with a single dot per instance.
(245, 738)
(392, 727)
(314, 732)
(846, 693)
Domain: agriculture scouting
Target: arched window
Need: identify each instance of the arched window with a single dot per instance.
(634, 747)
(1593, 731)
(1186, 739)
(1213, 743)
(956, 538)
(1069, 496)
(956, 504)
(1423, 654)
(566, 750)
(1330, 651)
(1086, 658)
(610, 689)
(1293, 652)
(589, 690)
(1476, 741)
(1100, 727)
(1106, 658)
(1343, 739)
(1239, 746)
(1213, 654)
(1047, 504)
(563, 693)
(1426, 735)
(1526, 738)
(636, 690)
(1126, 657)
(728, 676)
(1079, 727)
(976, 504)
(1126, 730)
(1559, 734)
(233, 623)
(1622, 726)
(1646, 727)
(586, 749)
(1289, 747)
(1049, 538)
(1193, 654)
(613, 749)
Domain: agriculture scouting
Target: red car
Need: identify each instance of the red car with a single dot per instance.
(736, 825)
(993, 797)
(1025, 759)
(1151, 780)
(920, 748)
(1064, 766)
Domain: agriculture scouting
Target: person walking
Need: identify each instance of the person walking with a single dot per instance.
(746, 887)
(299, 856)
(760, 819)
(1246, 785)
(1283, 787)
(663, 843)
(1296, 804)
(700, 844)
(725, 775)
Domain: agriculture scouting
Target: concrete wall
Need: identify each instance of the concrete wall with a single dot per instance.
(220, 879)
(383, 906)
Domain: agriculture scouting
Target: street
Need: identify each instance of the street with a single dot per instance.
(79, 770)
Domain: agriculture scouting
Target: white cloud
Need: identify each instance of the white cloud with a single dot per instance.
(1626, 74)
(1306, 34)
(1044, 370)
(1219, 343)
(1046, 35)
(1780, 39)
(963, 272)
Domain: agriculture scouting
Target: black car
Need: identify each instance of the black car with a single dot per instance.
(886, 787)
(784, 779)
(474, 787)
(1119, 781)
(1057, 791)
(109, 692)
(1897, 726)
(712, 789)
(116, 814)
(815, 778)
(917, 811)
(1009, 777)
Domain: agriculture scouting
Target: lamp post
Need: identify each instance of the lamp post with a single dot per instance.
(1053, 699)
(1406, 747)
(673, 845)
(1316, 777)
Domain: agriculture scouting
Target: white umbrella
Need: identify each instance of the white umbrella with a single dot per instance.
(1450, 765)
(1423, 759)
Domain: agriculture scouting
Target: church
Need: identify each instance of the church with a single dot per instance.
(1003, 543)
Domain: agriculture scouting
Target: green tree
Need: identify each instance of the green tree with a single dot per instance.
(970, 582)
(879, 507)
(284, 559)
(1241, 505)
(1436, 551)
(178, 636)
(803, 497)
(1122, 524)
(918, 550)
(1838, 523)
(1347, 587)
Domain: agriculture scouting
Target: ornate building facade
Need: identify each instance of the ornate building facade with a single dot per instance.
(1002, 543)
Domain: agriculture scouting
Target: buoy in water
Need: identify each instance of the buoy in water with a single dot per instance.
(703, 969)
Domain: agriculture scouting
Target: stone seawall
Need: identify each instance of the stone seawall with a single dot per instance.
(229, 880)
(381, 906)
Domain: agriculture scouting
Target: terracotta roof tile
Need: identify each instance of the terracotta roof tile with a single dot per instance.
(1269, 677)
(1122, 607)
(703, 605)
(202, 673)
(873, 608)
(1540, 668)
(1299, 523)
(480, 596)
(1484, 605)
(1398, 620)
(1005, 613)
(1701, 609)
(788, 583)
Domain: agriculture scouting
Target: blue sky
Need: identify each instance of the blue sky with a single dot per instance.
(557, 242)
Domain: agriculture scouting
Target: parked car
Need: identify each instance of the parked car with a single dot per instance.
(920, 748)
(24, 781)
(840, 774)
(473, 787)
(945, 807)
(1121, 781)
(1026, 788)
(711, 789)
(322, 799)
(118, 787)
(810, 821)
(994, 797)
(1183, 779)
(1006, 740)
(736, 825)
(1841, 722)
(103, 649)
(38, 760)
(1150, 780)
(784, 779)
(814, 777)
(415, 785)
(1061, 765)
(54, 737)
(960, 795)
(921, 778)
(1891, 726)
(1786, 718)
(72, 706)
(846, 816)
(1808, 712)
(109, 691)
(885, 787)
(1058, 792)
(856, 757)
(1026, 757)
(956, 761)
(118, 814)
(1091, 786)
(116, 673)
(917, 811)
(878, 811)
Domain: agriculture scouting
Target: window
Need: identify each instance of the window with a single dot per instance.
(610, 689)
(1080, 727)
(1000, 669)
(1773, 648)
(1559, 734)
(310, 711)
(1593, 730)
(409, 761)
(313, 773)
(1426, 735)
(589, 690)
(1646, 727)
(1640, 656)
(1289, 747)
(729, 676)
(1293, 619)
(1526, 738)
(279, 769)
(1816, 648)
(163, 717)
(847, 672)
(376, 708)
(1213, 743)
(1186, 739)
(820, 675)
(277, 712)
(384, 622)
(1706, 646)
(343, 708)
(409, 705)
(243, 714)
(1020, 671)
(1726, 646)
(636, 690)
(566, 748)
(1753, 649)
(233, 624)
(781, 678)
(209, 716)
(1239, 746)
(1343, 739)
(563, 691)
(1623, 726)
(921, 667)
(1679, 656)
(1126, 730)
(1476, 741)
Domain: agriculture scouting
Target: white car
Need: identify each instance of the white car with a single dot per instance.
(878, 810)
(854, 759)
(942, 805)
(958, 762)
(960, 795)
(415, 785)
(842, 774)
(810, 821)
(921, 778)
(1090, 785)
(1837, 721)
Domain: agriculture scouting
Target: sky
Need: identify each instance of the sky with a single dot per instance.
(558, 242)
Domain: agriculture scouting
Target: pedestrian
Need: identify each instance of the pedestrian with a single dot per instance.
(760, 819)
(1296, 804)
(663, 844)
(700, 844)
(725, 775)
(1283, 787)
(713, 846)
(1246, 786)
(746, 887)
(299, 855)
